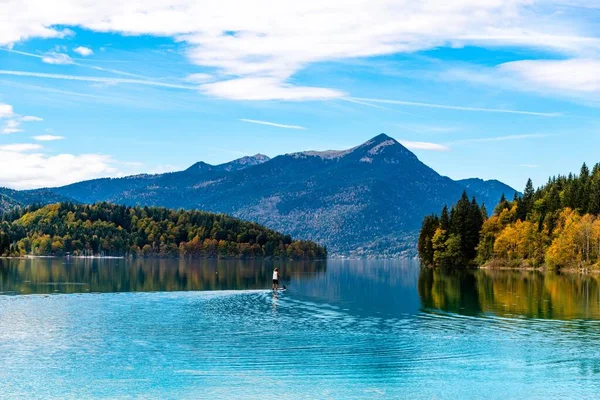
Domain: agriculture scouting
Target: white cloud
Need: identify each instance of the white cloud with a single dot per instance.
(253, 43)
(22, 168)
(456, 108)
(83, 51)
(31, 118)
(266, 89)
(6, 110)
(254, 121)
(574, 75)
(57, 58)
(424, 146)
(47, 138)
(11, 126)
(19, 147)
(13, 122)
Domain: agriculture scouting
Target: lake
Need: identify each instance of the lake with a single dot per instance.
(166, 329)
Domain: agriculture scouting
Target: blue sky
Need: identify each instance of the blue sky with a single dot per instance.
(505, 90)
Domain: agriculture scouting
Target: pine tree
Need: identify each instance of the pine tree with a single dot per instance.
(484, 212)
(445, 219)
(472, 230)
(425, 245)
(583, 192)
(594, 192)
(525, 203)
(503, 204)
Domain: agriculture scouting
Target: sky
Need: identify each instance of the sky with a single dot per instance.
(495, 89)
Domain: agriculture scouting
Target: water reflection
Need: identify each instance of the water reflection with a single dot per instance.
(531, 294)
(45, 276)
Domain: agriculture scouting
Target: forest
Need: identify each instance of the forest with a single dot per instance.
(556, 226)
(105, 229)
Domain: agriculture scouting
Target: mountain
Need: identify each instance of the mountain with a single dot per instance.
(11, 199)
(365, 201)
(489, 192)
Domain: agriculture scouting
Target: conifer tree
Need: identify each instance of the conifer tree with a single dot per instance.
(525, 203)
(445, 219)
(594, 192)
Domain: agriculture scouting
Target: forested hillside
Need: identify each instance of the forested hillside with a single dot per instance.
(113, 230)
(556, 226)
(11, 199)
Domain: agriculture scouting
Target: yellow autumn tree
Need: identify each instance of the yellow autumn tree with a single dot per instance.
(563, 252)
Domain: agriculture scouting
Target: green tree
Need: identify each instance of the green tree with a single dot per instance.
(525, 203)
(425, 245)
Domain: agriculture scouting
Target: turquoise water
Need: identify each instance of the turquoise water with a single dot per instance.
(342, 330)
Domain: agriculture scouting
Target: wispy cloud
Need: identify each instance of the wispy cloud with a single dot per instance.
(574, 75)
(97, 79)
(20, 147)
(57, 58)
(48, 138)
(255, 121)
(11, 126)
(424, 146)
(31, 118)
(503, 138)
(83, 65)
(364, 103)
(456, 108)
(13, 120)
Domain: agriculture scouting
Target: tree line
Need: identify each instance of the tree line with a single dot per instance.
(556, 225)
(114, 230)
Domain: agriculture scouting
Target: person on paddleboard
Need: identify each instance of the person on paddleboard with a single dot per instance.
(276, 279)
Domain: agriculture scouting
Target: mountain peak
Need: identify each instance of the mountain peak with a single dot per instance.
(235, 165)
(244, 162)
(382, 137)
(200, 166)
(385, 148)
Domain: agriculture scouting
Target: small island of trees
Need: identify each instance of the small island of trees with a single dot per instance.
(556, 226)
(114, 230)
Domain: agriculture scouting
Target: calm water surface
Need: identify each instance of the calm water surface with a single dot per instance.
(342, 330)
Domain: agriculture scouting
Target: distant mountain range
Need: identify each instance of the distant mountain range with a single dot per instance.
(365, 201)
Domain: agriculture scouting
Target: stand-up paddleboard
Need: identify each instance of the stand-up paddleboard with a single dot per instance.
(281, 289)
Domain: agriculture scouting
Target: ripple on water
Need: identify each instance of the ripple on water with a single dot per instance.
(244, 344)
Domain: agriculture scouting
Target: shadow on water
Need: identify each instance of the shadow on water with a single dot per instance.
(506, 293)
(46, 276)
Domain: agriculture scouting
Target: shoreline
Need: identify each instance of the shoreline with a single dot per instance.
(31, 257)
(583, 271)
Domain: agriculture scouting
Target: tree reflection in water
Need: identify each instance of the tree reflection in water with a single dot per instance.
(531, 294)
(45, 276)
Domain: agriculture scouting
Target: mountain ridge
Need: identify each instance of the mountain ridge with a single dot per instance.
(368, 200)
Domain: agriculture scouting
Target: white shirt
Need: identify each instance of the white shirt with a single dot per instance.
(275, 275)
